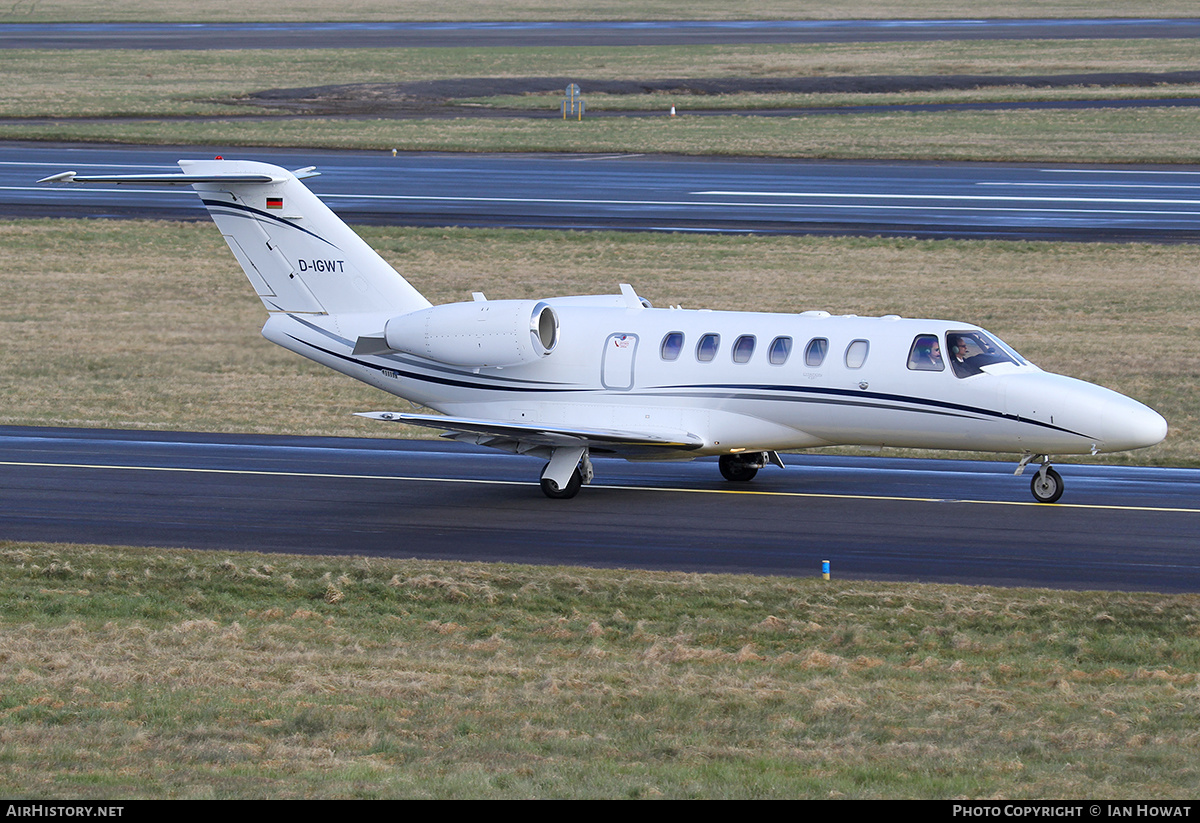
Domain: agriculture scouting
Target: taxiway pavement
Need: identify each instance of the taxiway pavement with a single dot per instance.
(880, 518)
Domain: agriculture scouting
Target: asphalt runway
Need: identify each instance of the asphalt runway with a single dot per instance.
(560, 34)
(871, 517)
(657, 193)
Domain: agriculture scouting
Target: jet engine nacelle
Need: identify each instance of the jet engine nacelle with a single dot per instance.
(482, 333)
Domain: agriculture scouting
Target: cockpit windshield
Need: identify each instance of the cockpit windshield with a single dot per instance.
(970, 351)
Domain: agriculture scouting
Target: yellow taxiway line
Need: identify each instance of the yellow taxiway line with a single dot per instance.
(758, 492)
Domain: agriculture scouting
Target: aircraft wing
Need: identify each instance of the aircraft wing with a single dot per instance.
(524, 438)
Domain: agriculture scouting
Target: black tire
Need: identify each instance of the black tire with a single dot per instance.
(735, 468)
(551, 489)
(1047, 489)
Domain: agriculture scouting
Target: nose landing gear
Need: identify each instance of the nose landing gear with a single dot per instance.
(1047, 484)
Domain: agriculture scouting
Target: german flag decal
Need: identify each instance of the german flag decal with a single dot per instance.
(274, 202)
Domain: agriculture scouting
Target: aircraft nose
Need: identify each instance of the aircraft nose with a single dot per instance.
(1082, 414)
(1127, 424)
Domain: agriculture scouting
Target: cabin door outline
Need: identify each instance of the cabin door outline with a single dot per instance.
(616, 364)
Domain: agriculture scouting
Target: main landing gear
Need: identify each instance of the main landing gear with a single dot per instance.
(550, 487)
(1047, 484)
(741, 467)
(569, 468)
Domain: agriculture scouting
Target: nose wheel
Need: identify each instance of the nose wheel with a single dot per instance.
(1047, 484)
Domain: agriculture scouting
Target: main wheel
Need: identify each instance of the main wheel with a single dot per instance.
(736, 468)
(551, 489)
(1047, 488)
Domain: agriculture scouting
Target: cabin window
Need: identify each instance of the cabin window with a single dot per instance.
(743, 348)
(706, 349)
(926, 354)
(970, 351)
(814, 353)
(856, 354)
(781, 347)
(672, 345)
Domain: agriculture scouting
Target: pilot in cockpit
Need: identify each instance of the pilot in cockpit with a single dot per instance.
(961, 357)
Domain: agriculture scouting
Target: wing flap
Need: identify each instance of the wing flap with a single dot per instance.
(525, 436)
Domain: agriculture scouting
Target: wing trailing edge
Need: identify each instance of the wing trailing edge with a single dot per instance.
(530, 437)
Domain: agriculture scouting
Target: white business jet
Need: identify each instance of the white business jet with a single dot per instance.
(567, 378)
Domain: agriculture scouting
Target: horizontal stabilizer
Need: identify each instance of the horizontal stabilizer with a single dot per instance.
(534, 434)
(158, 179)
(174, 179)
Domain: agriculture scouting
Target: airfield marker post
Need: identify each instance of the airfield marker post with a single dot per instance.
(572, 102)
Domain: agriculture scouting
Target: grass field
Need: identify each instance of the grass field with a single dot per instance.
(121, 82)
(193, 97)
(170, 674)
(1151, 135)
(376, 10)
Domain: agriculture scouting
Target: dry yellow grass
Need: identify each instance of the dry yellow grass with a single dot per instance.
(376, 10)
(1148, 135)
(157, 673)
(94, 83)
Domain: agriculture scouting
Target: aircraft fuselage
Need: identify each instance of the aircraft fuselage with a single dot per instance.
(610, 371)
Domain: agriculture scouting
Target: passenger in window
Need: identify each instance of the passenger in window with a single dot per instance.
(926, 354)
(935, 354)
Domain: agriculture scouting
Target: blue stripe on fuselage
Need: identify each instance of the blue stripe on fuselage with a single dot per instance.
(811, 394)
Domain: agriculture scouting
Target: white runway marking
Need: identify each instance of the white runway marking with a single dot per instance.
(950, 197)
(60, 164)
(941, 205)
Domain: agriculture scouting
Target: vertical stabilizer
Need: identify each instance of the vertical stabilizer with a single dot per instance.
(299, 256)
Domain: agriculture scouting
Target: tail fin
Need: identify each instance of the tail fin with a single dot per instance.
(298, 254)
